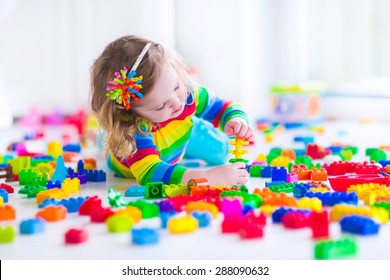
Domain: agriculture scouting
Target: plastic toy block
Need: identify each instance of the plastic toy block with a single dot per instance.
(96, 176)
(330, 199)
(341, 210)
(256, 170)
(289, 153)
(70, 156)
(175, 190)
(304, 139)
(319, 174)
(342, 183)
(52, 193)
(165, 216)
(32, 226)
(7, 212)
(31, 190)
(199, 182)
(135, 191)
(52, 213)
(303, 160)
(76, 236)
(115, 199)
(231, 207)
(202, 206)
(384, 163)
(302, 171)
(297, 219)
(378, 155)
(81, 176)
(89, 164)
(60, 173)
(6, 172)
(87, 206)
(238, 151)
(278, 214)
(313, 204)
(359, 225)
(203, 217)
(54, 149)
(7, 188)
(144, 236)
(284, 187)
(119, 223)
(335, 249)
(267, 171)
(231, 223)
(20, 163)
(7, 234)
(165, 205)
(281, 199)
(252, 226)
(130, 211)
(199, 190)
(320, 224)
(53, 185)
(40, 181)
(292, 178)
(149, 210)
(316, 152)
(368, 168)
(184, 224)
(26, 177)
(280, 161)
(73, 204)
(100, 215)
(300, 190)
(1, 201)
(72, 148)
(154, 190)
(71, 185)
(4, 195)
(279, 174)
(49, 201)
(383, 204)
(337, 168)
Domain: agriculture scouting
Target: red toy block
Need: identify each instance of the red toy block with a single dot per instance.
(351, 166)
(89, 204)
(76, 236)
(7, 212)
(52, 213)
(368, 168)
(296, 219)
(7, 188)
(231, 223)
(337, 168)
(320, 225)
(316, 152)
(252, 226)
(100, 214)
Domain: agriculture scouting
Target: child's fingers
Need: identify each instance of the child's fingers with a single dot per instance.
(239, 165)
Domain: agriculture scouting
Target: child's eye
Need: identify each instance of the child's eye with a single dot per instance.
(161, 108)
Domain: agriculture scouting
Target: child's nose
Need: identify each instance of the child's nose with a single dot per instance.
(175, 101)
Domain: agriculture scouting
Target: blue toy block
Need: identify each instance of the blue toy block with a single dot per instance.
(204, 218)
(96, 176)
(274, 183)
(304, 139)
(279, 174)
(300, 189)
(60, 173)
(72, 148)
(335, 149)
(135, 191)
(70, 171)
(165, 205)
(4, 194)
(165, 216)
(299, 152)
(247, 208)
(330, 199)
(359, 225)
(384, 162)
(267, 171)
(81, 176)
(52, 185)
(144, 236)
(32, 226)
(49, 201)
(73, 204)
(43, 158)
(80, 166)
(278, 214)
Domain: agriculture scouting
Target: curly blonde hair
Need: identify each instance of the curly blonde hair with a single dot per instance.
(119, 124)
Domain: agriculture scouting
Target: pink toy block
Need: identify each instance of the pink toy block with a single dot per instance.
(76, 236)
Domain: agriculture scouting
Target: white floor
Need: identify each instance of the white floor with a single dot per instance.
(278, 243)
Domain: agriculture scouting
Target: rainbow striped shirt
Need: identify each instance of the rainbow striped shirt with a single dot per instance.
(159, 152)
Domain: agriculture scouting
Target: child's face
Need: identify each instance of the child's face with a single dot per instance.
(166, 100)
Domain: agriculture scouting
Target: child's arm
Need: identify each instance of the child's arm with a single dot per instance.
(231, 174)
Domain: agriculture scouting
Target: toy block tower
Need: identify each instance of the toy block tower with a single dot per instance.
(238, 151)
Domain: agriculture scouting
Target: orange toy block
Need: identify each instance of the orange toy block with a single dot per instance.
(302, 172)
(89, 163)
(319, 174)
(7, 212)
(70, 156)
(130, 211)
(52, 213)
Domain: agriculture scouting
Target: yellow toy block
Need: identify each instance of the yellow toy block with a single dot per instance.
(202, 206)
(340, 210)
(184, 224)
(313, 203)
(268, 209)
(1, 201)
(71, 185)
(58, 194)
(130, 211)
(238, 151)
(54, 149)
(280, 161)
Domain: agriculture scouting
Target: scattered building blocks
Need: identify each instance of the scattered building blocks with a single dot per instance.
(278, 214)
(7, 234)
(76, 236)
(330, 199)
(26, 177)
(144, 236)
(52, 193)
(335, 249)
(341, 210)
(337, 168)
(135, 191)
(313, 204)
(53, 185)
(184, 224)
(32, 226)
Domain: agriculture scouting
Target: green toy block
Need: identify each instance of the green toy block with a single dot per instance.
(243, 188)
(255, 170)
(306, 160)
(233, 160)
(115, 199)
(20, 163)
(31, 190)
(383, 204)
(119, 223)
(154, 190)
(149, 210)
(26, 177)
(335, 249)
(378, 155)
(285, 188)
(175, 190)
(7, 234)
(253, 200)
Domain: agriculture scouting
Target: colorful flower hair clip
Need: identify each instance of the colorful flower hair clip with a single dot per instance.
(125, 87)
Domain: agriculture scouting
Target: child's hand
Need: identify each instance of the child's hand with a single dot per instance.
(240, 128)
(231, 174)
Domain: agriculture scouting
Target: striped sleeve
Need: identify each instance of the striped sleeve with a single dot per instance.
(146, 165)
(214, 109)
